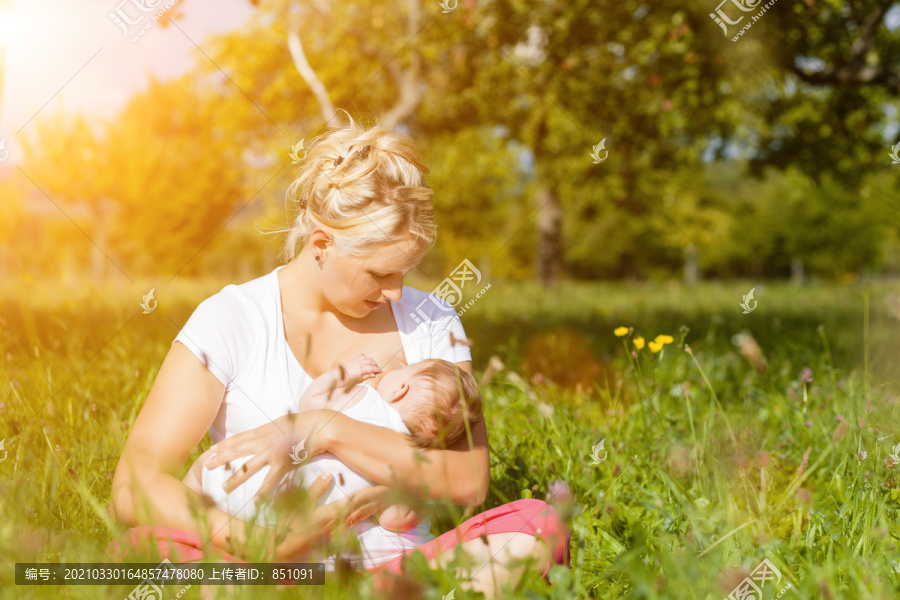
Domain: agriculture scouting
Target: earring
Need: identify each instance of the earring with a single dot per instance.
(318, 257)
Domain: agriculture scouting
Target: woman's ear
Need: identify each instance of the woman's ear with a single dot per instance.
(398, 393)
(320, 240)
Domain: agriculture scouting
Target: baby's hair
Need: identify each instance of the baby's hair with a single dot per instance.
(456, 399)
(367, 187)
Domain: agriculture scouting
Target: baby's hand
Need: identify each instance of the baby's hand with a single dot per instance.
(399, 517)
(359, 368)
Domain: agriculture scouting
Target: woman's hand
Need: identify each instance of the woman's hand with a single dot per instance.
(305, 531)
(282, 444)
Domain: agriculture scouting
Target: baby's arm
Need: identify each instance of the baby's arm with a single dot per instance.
(357, 369)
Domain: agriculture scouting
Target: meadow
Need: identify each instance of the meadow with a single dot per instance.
(769, 437)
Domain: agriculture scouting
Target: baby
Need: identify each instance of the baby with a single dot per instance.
(429, 401)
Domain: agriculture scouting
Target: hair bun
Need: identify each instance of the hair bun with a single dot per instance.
(367, 187)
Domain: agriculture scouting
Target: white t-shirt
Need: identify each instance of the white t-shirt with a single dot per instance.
(238, 333)
(377, 544)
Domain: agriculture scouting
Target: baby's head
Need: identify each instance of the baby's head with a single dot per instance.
(435, 398)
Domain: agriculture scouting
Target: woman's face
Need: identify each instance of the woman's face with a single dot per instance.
(358, 285)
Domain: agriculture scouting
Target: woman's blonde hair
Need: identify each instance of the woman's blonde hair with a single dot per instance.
(367, 187)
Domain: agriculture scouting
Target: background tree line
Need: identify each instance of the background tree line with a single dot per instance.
(766, 157)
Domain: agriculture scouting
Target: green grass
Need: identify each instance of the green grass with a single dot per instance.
(694, 488)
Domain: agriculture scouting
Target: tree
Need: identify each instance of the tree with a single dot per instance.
(656, 85)
(65, 161)
(158, 180)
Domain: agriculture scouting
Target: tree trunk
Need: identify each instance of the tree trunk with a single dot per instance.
(549, 237)
(484, 265)
(548, 248)
(408, 79)
(797, 272)
(98, 259)
(691, 268)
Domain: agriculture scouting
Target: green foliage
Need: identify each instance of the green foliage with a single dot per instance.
(675, 510)
(479, 187)
(514, 95)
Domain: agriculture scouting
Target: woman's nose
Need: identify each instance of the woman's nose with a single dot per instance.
(394, 293)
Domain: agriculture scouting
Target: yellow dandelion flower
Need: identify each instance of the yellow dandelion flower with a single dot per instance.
(664, 339)
(655, 347)
(621, 331)
(638, 342)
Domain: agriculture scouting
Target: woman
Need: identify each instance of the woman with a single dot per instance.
(365, 220)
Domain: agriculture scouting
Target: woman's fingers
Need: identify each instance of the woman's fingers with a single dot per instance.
(363, 512)
(220, 458)
(273, 477)
(231, 448)
(361, 504)
(234, 441)
(319, 486)
(244, 472)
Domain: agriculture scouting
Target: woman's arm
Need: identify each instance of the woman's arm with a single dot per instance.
(182, 404)
(459, 474)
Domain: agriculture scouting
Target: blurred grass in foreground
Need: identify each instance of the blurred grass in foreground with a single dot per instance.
(701, 481)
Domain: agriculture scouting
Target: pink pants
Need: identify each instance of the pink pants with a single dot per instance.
(527, 516)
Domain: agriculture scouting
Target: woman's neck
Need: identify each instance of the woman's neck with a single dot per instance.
(299, 283)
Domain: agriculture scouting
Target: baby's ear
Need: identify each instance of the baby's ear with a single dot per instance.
(398, 393)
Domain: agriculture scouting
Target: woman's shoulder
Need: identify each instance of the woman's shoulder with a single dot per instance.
(247, 301)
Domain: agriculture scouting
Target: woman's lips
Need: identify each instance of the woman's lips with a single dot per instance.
(372, 305)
